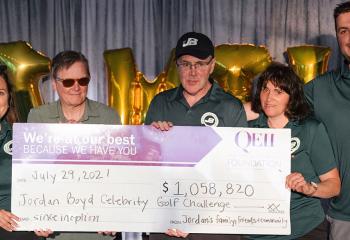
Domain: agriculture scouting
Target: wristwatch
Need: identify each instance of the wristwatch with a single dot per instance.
(315, 187)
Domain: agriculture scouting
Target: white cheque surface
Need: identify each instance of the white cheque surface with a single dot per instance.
(236, 186)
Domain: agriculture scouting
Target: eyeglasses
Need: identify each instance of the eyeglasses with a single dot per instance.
(69, 82)
(197, 66)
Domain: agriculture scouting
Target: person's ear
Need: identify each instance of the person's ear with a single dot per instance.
(212, 65)
(54, 84)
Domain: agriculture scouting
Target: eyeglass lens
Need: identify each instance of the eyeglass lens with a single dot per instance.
(70, 82)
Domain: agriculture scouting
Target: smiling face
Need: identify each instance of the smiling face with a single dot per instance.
(343, 34)
(75, 95)
(4, 97)
(274, 101)
(194, 74)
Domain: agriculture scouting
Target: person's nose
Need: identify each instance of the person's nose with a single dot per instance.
(269, 96)
(76, 86)
(193, 70)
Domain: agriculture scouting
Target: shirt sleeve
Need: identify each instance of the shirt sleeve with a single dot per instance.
(322, 155)
(34, 116)
(153, 112)
(240, 117)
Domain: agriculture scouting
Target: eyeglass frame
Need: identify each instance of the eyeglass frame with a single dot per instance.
(196, 66)
(74, 79)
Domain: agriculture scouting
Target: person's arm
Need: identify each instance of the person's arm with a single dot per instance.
(328, 187)
(322, 159)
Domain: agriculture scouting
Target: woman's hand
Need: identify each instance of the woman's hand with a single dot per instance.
(162, 125)
(296, 182)
(328, 187)
(173, 232)
(8, 221)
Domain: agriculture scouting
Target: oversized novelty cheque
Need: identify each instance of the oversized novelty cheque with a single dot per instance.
(80, 177)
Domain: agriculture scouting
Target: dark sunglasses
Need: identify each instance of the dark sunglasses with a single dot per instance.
(69, 82)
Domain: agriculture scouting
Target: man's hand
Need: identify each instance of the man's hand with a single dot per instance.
(162, 125)
(173, 232)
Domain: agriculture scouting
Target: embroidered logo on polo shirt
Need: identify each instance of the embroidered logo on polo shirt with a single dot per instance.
(8, 147)
(190, 42)
(295, 144)
(210, 119)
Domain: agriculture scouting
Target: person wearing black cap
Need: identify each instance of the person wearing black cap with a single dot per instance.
(198, 101)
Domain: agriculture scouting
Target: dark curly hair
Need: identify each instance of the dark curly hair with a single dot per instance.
(285, 78)
(11, 115)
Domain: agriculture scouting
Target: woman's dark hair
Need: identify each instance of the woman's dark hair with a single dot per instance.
(11, 115)
(285, 78)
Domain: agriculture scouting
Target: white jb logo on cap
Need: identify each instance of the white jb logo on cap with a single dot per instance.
(190, 42)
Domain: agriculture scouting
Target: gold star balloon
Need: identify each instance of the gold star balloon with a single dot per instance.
(26, 67)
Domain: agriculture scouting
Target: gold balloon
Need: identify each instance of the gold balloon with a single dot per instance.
(237, 65)
(308, 61)
(129, 91)
(121, 72)
(26, 67)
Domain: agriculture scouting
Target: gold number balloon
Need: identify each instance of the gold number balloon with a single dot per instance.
(129, 91)
(120, 71)
(308, 61)
(26, 68)
(237, 65)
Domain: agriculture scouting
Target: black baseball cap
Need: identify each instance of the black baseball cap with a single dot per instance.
(194, 44)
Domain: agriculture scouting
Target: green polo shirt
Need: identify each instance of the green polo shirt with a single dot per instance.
(5, 165)
(217, 108)
(311, 156)
(95, 113)
(329, 95)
